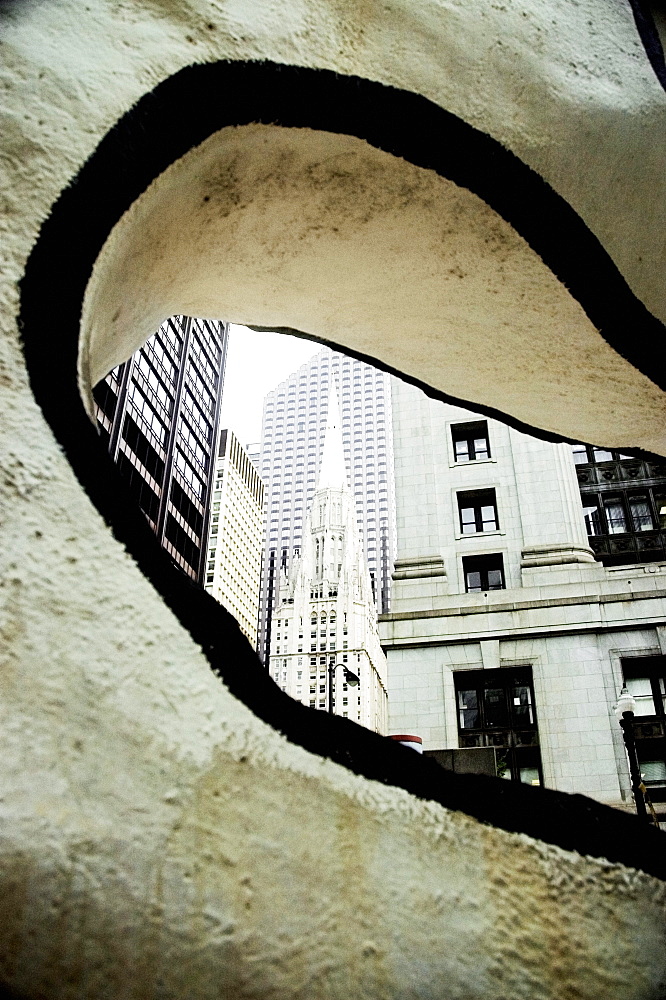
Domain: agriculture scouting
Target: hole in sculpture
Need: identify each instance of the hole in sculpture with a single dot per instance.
(327, 177)
(228, 439)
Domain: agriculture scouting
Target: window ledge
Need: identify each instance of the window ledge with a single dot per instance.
(480, 534)
(477, 461)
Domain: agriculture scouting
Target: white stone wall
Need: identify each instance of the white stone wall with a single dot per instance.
(561, 618)
(577, 680)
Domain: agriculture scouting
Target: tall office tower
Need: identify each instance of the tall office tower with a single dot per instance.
(325, 649)
(510, 636)
(253, 450)
(235, 540)
(158, 414)
(292, 435)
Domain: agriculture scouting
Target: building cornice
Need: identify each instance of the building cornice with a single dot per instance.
(523, 620)
(483, 609)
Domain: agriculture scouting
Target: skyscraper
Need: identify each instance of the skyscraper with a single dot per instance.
(158, 414)
(233, 567)
(292, 437)
(325, 649)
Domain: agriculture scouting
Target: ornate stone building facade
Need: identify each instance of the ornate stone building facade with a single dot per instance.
(325, 649)
(292, 439)
(506, 633)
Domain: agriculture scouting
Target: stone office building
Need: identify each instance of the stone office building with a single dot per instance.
(519, 611)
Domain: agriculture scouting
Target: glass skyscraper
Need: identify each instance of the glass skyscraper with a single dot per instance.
(158, 414)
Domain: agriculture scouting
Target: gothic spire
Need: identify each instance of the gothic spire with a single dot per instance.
(332, 472)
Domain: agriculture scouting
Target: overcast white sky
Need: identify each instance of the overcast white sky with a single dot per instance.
(256, 362)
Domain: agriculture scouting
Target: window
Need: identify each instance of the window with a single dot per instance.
(641, 515)
(496, 709)
(626, 525)
(470, 441)
(584, 454)
(616, 517)
(645, 678)
(478, 511)
(483, 573)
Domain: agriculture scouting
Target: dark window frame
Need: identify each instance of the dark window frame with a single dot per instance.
(517, 740)
(615, 521)
(473, 439)
(477, 501)
(653, 667)
(483, 565)
(650, 729)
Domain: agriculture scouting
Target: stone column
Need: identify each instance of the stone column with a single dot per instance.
(555, 548)
(420, 573)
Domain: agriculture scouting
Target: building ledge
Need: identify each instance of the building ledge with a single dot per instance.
(421, 566)
(556, 555)
(528, 605)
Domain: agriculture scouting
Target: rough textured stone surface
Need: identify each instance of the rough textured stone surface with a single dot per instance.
(157, 839)
(266, 225)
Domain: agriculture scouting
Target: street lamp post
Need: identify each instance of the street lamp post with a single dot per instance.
(625, 713)
(351, 678)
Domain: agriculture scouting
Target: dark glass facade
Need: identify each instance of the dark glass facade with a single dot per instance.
(158, 414)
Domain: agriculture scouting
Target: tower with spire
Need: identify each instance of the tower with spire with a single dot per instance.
(326, 615)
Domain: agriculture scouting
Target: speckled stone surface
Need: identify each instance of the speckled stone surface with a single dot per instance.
(158, 840)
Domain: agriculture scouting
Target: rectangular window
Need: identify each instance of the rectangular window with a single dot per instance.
(592, 515)
(496, 709)
(470, 441)
(645, 678)
(615, 515)
(587, 454)
(483, 573)
(580, 454)
(641, 515)
(478, 511)
(626, 525)
(660, 507)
